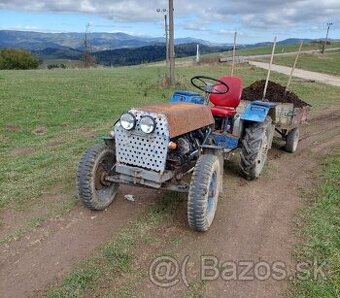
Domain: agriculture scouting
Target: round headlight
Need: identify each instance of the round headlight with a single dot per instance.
(128, 121)
(147, 124)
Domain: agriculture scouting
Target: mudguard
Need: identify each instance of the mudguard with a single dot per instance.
(257, 111)
(187, 96)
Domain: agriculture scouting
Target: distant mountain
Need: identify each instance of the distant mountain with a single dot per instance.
(294, 41)
(287, 41)
(101, 41)
(112, 48)
(37, 41)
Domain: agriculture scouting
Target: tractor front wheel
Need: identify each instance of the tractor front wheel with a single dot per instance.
(255, 145)
(204, 192)
(94, 191)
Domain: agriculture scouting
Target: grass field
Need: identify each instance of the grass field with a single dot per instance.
(48, 118)
(279, 49)
(321, 234)
(326, 63)
(283, 49)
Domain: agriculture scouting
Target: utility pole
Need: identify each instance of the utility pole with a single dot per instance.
(165, 13)
(324, 45)
(171, 43)
(234, 52)
(87, 47)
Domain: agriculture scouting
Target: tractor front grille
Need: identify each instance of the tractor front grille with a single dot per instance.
(147, 151)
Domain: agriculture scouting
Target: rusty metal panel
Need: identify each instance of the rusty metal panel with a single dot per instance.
(300, 115)
(183, 117)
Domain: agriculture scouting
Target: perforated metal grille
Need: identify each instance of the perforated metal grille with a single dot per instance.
(142, 150)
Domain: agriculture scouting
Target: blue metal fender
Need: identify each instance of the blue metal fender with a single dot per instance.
(257, 111)
(225, 141)
(187, 96)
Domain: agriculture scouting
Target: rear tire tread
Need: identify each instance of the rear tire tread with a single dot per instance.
(251, 144)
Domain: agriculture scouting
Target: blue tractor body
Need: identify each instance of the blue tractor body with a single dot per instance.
(187, 96)
(255, 111)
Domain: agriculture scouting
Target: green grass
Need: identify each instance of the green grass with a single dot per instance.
(327, 63)
(73, 107)
(279, 49)
(321, 232)
(283, 49)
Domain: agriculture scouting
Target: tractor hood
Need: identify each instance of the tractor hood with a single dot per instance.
(182, 117)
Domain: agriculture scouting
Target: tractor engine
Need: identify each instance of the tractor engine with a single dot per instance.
(184, 149)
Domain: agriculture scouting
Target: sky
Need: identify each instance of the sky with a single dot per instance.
(212, 20)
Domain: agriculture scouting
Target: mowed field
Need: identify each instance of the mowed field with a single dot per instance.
(51, 245)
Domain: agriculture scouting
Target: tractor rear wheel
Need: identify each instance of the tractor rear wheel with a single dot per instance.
(255, 145)
(292, 140)
(94, 191)
(204, 192)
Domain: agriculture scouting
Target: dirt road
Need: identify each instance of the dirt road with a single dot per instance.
(300, 73)
(254, 222)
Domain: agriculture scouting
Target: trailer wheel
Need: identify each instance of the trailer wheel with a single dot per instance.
(204, 192)
(96, 163)
(292, 140)
(255, 145)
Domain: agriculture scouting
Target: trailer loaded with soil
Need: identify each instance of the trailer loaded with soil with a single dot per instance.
(288, 114)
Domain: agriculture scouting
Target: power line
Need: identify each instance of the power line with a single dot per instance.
(164, 11)
(171, 43)
(324, 44)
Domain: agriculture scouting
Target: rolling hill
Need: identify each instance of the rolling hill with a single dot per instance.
(36, 41)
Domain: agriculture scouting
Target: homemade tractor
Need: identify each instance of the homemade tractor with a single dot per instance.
(158, 146)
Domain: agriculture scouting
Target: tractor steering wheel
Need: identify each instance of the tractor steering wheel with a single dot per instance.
(209, 85)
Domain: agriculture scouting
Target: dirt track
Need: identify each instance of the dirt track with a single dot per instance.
(300, 73)
(254, 221)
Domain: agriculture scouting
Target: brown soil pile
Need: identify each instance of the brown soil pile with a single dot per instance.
(275, 93)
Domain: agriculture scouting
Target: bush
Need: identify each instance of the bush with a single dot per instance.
(17, 59)
(51, 66)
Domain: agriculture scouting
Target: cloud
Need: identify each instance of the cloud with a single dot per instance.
(264, 14)
(200, 25)
(120, 10)
(260, 14)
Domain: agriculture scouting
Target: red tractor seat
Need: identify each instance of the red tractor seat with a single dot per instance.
(225, 104)
(223, 111)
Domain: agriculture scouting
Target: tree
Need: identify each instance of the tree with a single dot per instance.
(17, 59)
